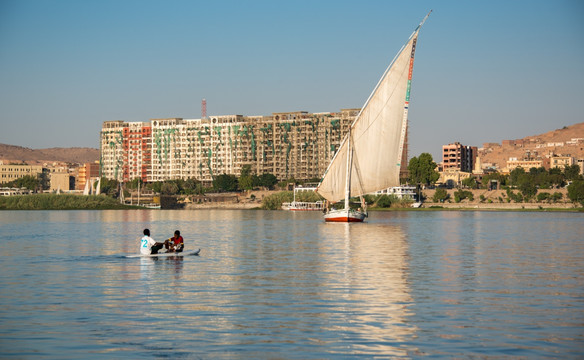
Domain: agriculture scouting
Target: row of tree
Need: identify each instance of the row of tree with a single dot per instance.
(246, 181)
(441, 195)
(221, 183)
(422, 171)
(530, 180)
(29, 182)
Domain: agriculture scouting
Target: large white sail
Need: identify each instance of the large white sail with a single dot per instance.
(377, 134)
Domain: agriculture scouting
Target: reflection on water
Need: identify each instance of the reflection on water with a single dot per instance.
(370, 272)
(498, 283)
(288, 285)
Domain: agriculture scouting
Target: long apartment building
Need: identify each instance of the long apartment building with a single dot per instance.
(291, 144)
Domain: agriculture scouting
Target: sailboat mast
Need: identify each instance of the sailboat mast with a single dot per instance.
(348, 173)
(424, 20)
(377, 134)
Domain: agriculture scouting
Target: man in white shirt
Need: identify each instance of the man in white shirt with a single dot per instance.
(148, 245)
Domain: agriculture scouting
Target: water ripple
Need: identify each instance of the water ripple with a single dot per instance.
(288, 285)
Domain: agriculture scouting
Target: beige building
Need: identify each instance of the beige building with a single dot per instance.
(561, 162)
(513, 163)
(453, 177)
(296, 145)
(580, 163)
(10, 173)
(62, 181)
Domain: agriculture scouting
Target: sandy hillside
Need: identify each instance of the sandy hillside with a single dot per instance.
(17, 154)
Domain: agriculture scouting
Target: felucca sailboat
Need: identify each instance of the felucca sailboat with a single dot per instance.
(370, 156)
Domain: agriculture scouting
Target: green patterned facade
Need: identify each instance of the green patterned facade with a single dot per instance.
(296, 145)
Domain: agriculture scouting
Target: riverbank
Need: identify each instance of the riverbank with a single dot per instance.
(246, 200)
(491, 201)
(60, 202)
(225, 206)
(498, 200)
(495, 200)
(501, 206)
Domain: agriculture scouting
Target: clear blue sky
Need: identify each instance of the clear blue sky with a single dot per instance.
(484, 71)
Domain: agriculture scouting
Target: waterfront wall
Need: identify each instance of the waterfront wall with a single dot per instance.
(498, 200)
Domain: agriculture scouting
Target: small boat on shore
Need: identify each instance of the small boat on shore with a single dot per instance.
(151, 206)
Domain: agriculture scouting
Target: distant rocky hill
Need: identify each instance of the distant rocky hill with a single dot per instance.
(18, 154)
(567, 141)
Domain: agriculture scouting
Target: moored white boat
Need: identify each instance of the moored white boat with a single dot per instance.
(151, 206)
(303, 206)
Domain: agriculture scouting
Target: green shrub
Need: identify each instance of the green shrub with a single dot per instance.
(541, 197)
(385, 201)
(440, 195)
(307, 196)
(463, 194)
(371, 199)
(517, 197)
(274, 201)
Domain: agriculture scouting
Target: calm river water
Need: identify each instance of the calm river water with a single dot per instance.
(276, 284)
